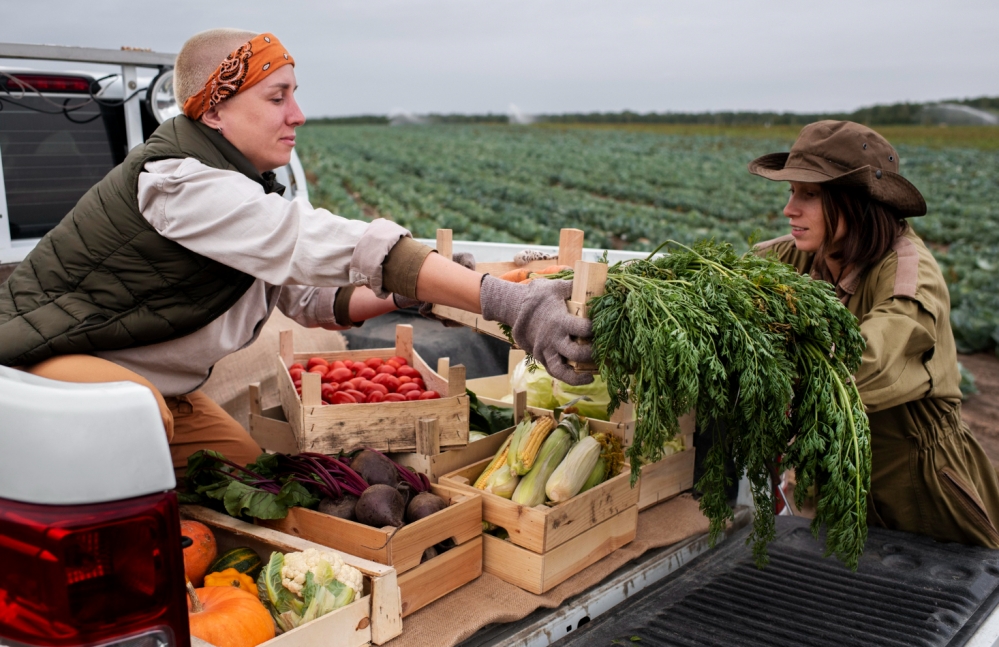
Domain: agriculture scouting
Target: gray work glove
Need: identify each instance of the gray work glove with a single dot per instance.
(541, 324)
(426, 309)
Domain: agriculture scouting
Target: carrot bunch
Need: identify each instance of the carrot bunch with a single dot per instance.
(524, 275)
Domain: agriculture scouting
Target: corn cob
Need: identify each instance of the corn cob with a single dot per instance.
(531, 489)
(597, 475)
(573, 472)
(521, 458)
(502, 482)
(610, 462)
(499, 460)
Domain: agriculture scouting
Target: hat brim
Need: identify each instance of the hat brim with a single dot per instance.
(891, 188)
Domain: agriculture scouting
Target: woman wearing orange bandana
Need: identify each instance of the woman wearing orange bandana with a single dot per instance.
(179, 255)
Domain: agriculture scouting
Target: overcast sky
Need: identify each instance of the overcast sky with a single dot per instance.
(544, 56)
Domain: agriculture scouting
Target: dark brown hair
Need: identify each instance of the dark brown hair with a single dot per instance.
(871, 227)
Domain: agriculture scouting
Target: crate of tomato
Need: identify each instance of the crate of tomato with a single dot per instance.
(342, 400)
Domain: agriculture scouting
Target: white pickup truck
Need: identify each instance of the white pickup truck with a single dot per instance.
(90, 545)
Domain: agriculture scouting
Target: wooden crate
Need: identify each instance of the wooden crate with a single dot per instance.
(402, 549)
(539, 573)
(376, 617)
(547, 545)
(385, 426)
(570, 250)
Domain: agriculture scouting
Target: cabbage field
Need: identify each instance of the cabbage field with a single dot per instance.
(632, 189)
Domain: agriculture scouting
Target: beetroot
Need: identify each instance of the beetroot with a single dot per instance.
(375, 468)
(342, 507)
(379, 506)
(423, 505)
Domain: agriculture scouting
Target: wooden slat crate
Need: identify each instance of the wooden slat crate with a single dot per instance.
(547, 545)
(660, 481)
(570, 250)
(385, 426)
(374, 618)
(420, 583)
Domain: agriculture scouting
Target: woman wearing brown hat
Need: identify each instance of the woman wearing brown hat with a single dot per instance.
(847, 211)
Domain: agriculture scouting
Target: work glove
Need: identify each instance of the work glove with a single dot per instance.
(540, 322)
(426, 309)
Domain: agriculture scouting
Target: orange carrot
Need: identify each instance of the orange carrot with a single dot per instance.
(515, 276)
(554, 269)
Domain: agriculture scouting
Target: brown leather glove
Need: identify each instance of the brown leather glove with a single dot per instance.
(541, 325)
(464, 259)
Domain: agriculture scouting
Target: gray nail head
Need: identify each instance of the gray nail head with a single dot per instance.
(865, 147)
(877, 174)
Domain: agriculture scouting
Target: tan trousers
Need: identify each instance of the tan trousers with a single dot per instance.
(191, 421)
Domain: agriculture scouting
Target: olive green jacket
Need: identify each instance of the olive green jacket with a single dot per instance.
(105, 279)
(929, 475)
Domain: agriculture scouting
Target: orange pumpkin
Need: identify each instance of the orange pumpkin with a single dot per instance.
(199, 555)
(228, 617)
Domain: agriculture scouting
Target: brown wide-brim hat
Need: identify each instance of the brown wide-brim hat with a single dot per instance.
(844, 153)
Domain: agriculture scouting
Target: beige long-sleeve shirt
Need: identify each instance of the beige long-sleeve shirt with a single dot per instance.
(286, 245)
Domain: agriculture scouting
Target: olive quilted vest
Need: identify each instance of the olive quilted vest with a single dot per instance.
(104, 279)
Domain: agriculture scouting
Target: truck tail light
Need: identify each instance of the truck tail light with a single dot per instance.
(101, 574)
(48, 83)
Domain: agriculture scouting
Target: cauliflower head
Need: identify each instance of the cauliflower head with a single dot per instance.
(325, 565)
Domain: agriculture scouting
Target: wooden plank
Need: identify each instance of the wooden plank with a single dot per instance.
(386, 608)
(439, 576)
(428, 436)
(455, 380)
(253, 393)
(443, 364)
(540, 573)
(387, 428)
(667, 478)
(573, 556)
(588, 281)
(472, 320)
(404, 342)
(402, 548)
(434, 380)
(570, 246)
(311, 390)
(445, 243)
(290, 401)
(286, 348)
(349, 626)
(275, 435)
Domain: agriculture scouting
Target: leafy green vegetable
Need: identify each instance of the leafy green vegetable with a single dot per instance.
(486, 417)
(749, 341)
(596, 395)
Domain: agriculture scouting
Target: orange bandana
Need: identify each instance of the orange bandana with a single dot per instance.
(247, 66)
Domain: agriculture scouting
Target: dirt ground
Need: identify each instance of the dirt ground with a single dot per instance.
(981, 411)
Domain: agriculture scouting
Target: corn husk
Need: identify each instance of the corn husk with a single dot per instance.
(572, 473)
(597, 475)
(531, 489)
(502, 482)
(525, 447)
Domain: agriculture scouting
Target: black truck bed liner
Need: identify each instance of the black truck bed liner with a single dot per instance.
(908, 590)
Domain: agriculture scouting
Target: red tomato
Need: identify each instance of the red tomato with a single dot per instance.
(402, 360)
(343, 398)
(418, 381)
(395, 397)
(341, 374)
(406, 388)
(430, 395)
(329, 377)
(408, 371)
(296, 373)
(376, 396)
(374, 362)
(377, 388)
(330, 387)
(318, 369)
(391, 382)
(385, 368)
(316, 361)
(380, 378)
(405, 379)
(297, 383)
(357, 395)
(352, 383)
(393, 363)
(413, 395)
(367, 373)
(297, 365)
